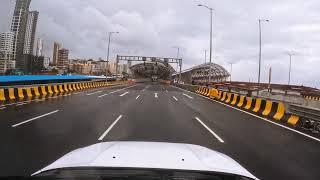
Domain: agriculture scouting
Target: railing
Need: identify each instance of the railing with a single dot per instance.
(310, 117)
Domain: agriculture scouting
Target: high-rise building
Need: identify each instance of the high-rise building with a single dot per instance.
(63, 60)
(6, 48)
(30, 33)
(39, 47)
(56, 48)
(18, 27)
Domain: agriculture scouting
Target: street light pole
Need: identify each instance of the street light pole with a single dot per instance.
(180, 62)
(290, 56)
(210, 56)
(230, 70)
(205, 56)
(109, 40)
(259, 73)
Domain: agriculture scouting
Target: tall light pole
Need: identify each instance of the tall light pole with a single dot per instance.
(210, 57)
(230, 70)
(290, 56)
(180, 62)
(205, 56)
(110, 33)
(260, 20)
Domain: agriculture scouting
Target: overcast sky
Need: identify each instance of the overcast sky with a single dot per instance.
(153, 27)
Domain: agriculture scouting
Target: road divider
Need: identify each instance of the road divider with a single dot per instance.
(19, 94)
(262, 107)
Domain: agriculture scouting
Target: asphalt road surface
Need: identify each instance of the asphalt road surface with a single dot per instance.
(35, 134)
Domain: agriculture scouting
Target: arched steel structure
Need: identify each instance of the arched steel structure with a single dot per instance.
(200, 73)
(148, 69)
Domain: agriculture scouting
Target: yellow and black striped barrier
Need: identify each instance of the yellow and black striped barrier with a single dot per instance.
(259, 106)
(22, 93)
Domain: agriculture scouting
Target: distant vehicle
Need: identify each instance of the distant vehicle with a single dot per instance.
(154, 78)
(145, 160)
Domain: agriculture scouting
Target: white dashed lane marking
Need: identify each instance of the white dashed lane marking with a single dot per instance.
(174, 98)
(109, 129)
(47, 114)
(213, 133)
(94, 93)
(124, 94)
(116, 91)
(188, 96)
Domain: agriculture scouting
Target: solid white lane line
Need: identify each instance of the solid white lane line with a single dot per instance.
(18, 124)
(188, 96)
(116, 91)
(213, 133)
(94, 93)
(174, 98)
(124, 94)
(138, 97)
(109, 129)
(2, 107)
(265, 119)
(156, 95)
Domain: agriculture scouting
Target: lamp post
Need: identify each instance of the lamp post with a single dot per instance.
(260, 20)
(180, 61)
(210, 56)
(230, 70)
(205, 56)
(109, 40)
(290, 57)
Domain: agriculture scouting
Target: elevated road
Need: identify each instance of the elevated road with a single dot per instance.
(33, 135)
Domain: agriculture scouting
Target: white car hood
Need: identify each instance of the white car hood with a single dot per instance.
(149, 155)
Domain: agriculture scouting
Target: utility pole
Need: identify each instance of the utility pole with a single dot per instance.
(210, 57)
(260, 20)
(108, 50)
(269, 84)
(290, 57)
(205, 56)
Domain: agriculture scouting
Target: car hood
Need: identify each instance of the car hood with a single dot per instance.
(149, 155)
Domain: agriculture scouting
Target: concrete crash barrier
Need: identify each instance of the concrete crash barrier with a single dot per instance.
(314, 98)
(262, 107)
(23, 93)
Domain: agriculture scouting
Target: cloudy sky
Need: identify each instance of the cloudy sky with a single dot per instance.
(153, 27)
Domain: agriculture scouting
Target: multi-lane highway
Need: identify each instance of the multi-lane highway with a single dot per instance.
(36, 133)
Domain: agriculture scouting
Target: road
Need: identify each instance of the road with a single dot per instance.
(35, 134)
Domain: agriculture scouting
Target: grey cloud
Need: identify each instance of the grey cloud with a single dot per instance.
(152, 27)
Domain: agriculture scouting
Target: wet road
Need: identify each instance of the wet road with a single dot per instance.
(35, 134)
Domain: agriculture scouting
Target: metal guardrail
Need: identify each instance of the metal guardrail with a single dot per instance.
(310, 117)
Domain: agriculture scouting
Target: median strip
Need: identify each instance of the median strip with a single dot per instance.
(47, 114)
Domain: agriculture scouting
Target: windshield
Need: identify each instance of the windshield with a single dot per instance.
(104, 173)
(206, 86)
